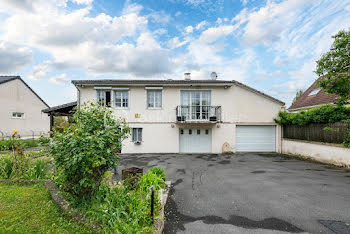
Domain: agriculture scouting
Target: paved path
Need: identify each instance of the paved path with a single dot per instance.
(249, 193)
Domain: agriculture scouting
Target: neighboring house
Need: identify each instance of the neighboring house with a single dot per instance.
(21, 109)
(314, 96)
(189, 116)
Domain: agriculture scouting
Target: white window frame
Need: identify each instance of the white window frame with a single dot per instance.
(154, 89)
(16, 117)
(138, 137)
(104, 90)
(124, 90)
(190, 106)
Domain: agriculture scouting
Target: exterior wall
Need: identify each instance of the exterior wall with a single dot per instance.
(336, 155)
(161, 132)
(16, 97)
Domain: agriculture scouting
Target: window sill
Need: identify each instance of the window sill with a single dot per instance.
(154, 108)
(122, 108)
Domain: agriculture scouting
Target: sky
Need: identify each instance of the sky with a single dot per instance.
(270, 45)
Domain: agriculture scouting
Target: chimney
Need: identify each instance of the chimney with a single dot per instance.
(213, 76)
(187, 76)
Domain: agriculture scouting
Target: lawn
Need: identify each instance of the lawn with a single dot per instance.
(29, 209)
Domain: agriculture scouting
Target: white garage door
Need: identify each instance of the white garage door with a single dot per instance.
(195, 140)
(256, 138)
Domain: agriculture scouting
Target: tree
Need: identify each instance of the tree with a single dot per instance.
(334, 68)
(298, 95)
(87, 148)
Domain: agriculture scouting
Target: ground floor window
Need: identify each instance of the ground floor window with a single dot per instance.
(17, 115)
(136, 134)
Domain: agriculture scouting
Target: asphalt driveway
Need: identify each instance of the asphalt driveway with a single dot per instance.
(250, 193)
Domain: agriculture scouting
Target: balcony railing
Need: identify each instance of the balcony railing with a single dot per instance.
(198, 113)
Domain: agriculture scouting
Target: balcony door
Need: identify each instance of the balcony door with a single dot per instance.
(195, 104)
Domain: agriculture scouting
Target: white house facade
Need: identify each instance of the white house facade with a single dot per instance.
(21, 109)
(189, 116)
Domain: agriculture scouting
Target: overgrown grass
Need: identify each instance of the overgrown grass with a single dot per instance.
(125, 208)
(5, 144)
(29, 209)
(24, 167)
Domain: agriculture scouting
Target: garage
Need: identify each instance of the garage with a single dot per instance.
(195, 140)
(255, 138)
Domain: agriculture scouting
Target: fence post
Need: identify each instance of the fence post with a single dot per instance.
(152, 203)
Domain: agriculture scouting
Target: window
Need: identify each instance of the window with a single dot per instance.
(136, 134)
(198, 131)
(17, 115)
(121, 98)
(190, 131)
(104, 97)
(181, 131)
(206, 131)
(314, 92)
(195, 104)
(154, 98)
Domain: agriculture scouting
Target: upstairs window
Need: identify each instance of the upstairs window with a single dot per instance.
(154, 99)
(17, 115)
(121, 98)
(137, 134)
(104, 97)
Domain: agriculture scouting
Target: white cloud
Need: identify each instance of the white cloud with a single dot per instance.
(347, 7)
(59, 79)
(201, 25)
(13, 57)
(189, 29)
(178, 13)
(83, 2)
(266, 24)
(40, 70)
(212, 34)
(244, 2)
(175, 43)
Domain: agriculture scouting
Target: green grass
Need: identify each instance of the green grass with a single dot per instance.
(29, 209)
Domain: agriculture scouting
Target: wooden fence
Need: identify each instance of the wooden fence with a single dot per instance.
(330, 133)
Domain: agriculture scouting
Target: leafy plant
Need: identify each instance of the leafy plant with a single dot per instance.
(38, 171)
(125, 210)
(87, 148)
(7, 168)
(333, 67)
(323, 114)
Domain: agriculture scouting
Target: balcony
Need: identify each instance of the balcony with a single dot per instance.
(198, 114)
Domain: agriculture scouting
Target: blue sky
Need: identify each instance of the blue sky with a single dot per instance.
(269, 45)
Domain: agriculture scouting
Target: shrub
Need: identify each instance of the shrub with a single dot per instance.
(38, 170)
(87, 148)
(125, 210)
(159, 172)
(323, 114)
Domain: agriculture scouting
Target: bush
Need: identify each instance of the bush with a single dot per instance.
(125, 210)
(87, 148)
(323, 114)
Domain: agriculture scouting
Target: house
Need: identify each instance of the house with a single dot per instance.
(314, 96)
(189, 116)
(21, 109)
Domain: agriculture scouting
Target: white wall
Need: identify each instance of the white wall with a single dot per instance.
(15, 96)
(238, 106)
(336, 155)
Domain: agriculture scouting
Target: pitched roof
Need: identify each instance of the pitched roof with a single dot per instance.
(173, 83)
(306, 100)
(63, 107)
(151, 82)
(4, 79)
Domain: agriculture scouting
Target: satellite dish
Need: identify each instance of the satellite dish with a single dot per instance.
(213, 76)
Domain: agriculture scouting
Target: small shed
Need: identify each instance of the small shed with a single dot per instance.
(61, 110)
